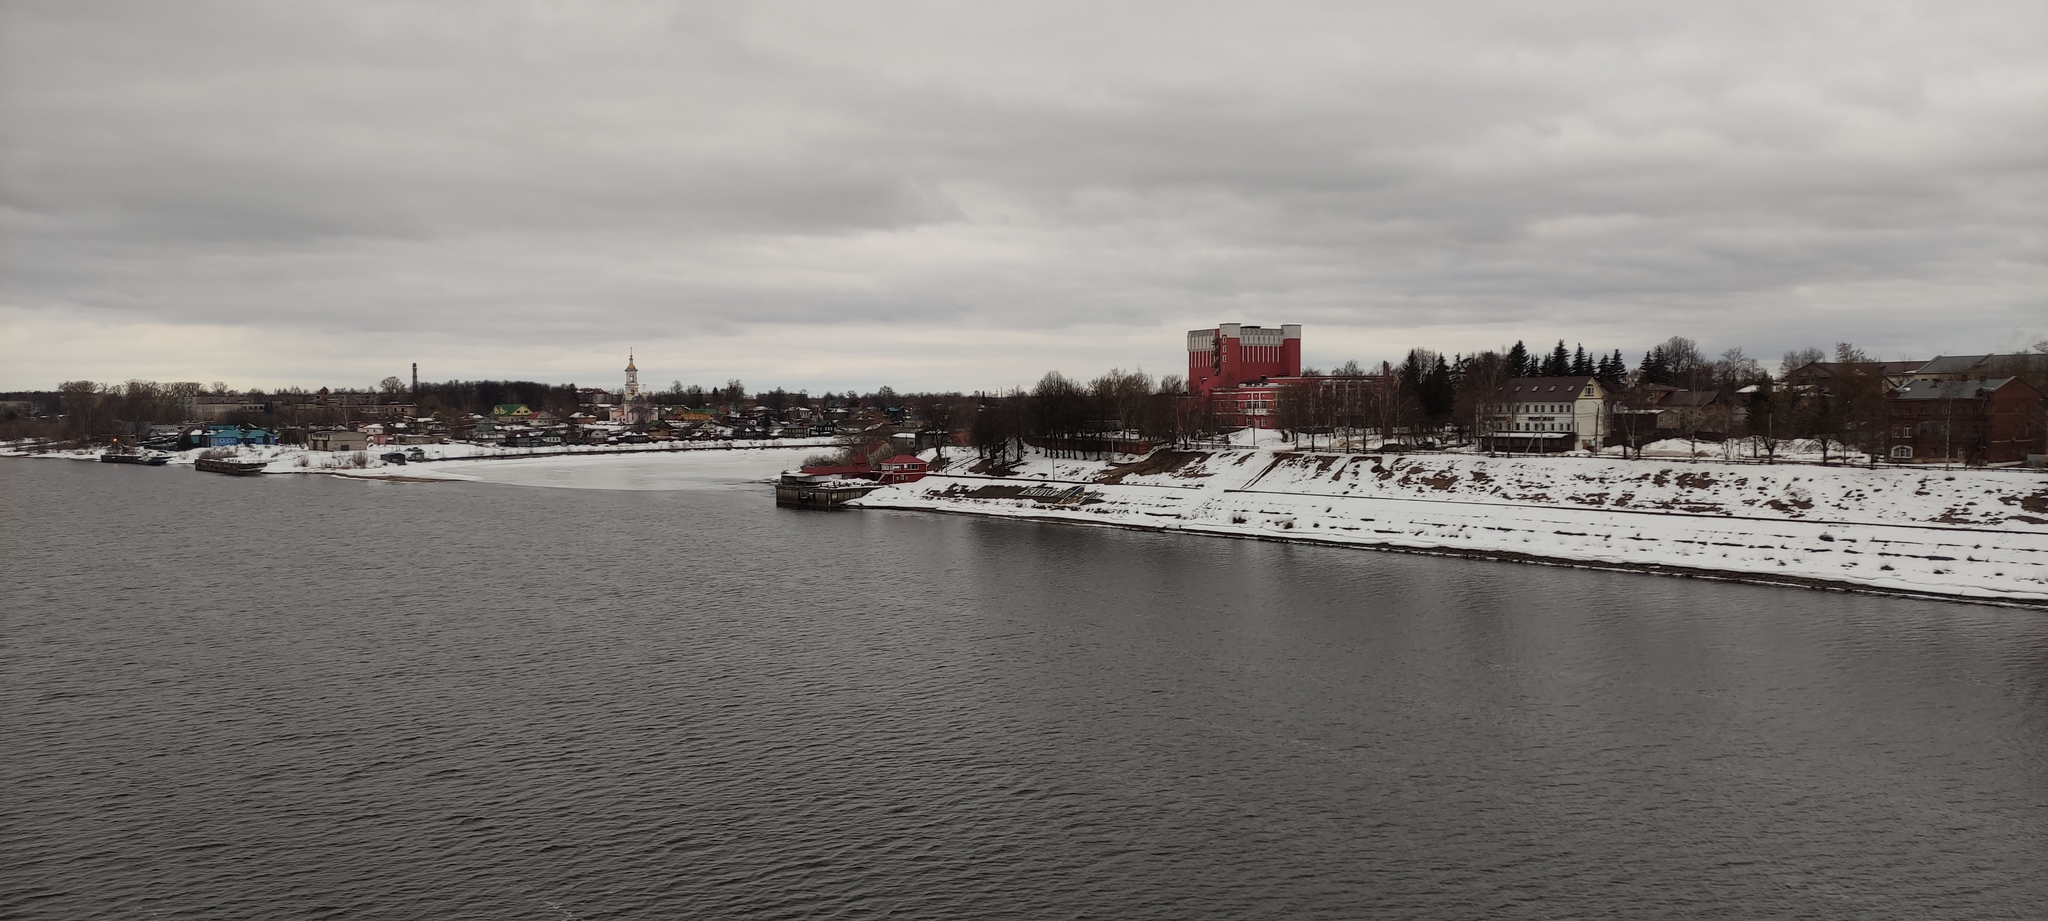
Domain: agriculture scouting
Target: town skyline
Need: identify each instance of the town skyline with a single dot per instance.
(661, 375)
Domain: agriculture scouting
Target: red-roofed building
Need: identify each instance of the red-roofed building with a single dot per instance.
(904, 468)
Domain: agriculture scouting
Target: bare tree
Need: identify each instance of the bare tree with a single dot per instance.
(1633, 419)
(1194, 419)
(1758, 407)
(998, 427)
(1800, 358)
(1687, 365)
(1293, 409)
(1734, 371)
(1485, 374)
(1059, 411)
(1860, 415)
(937, 412)
(1123, 394)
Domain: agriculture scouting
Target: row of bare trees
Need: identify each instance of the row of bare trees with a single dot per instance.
(83, 410)
(86, 410)
(1075, 418)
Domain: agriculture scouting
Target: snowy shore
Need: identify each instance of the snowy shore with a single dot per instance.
(1974, 534)
(369, 464)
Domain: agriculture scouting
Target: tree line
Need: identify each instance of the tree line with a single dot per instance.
(1430, 399)
(1426, 399)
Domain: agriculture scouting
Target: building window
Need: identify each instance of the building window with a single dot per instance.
(1903, 452)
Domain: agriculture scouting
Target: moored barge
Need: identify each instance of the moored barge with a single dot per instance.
(804, 490)
(230, 467)
(151, 459)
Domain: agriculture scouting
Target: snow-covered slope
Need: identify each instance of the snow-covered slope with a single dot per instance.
(1971, 533)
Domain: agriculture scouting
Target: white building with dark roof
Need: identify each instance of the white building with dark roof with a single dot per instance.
(1545, 414)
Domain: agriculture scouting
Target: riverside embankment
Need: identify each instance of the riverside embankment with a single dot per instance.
(370, 464)
(1971, 534)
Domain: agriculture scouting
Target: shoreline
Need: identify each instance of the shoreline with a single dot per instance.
(1936, 535)
(1508, 556)
(296, 459)
(1979, 537)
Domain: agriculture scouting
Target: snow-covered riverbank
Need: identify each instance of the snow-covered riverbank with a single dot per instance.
(1979, 534)
(296, 459)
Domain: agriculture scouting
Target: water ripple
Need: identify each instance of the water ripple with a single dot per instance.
(300, 697)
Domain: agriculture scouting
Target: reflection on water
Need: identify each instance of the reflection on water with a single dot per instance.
(295, 696)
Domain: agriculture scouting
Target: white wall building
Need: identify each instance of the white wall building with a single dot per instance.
(1546, 414)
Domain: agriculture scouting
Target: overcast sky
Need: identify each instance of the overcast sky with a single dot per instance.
(963, 195)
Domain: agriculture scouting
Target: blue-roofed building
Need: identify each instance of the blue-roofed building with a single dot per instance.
(228, 436)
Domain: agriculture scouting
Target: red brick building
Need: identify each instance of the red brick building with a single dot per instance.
(1253, 404)
(1234, 354)
(1240, 371)
(1967, 421)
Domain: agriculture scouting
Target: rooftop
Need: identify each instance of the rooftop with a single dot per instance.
(1546, 387)
(1965, 364)
(1952, 390)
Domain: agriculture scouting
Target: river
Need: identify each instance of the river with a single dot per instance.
(659, 696)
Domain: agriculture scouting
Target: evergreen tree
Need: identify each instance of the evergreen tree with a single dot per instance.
(1656, 367)
(1518, 360)
(1559, 363)
(1617, 368)
(1605, 370)
(1438, 392)
(1582, 366)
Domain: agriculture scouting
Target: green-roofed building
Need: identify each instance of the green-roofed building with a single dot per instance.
(511, 412)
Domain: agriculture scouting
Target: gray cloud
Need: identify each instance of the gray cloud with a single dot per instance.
(528, 188)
